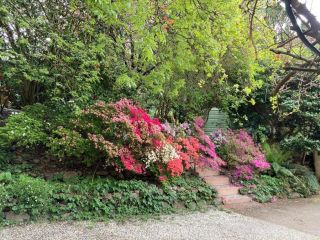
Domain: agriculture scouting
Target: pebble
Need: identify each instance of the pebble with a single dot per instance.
(211, 225)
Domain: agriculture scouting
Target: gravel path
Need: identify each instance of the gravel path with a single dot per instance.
(211, 225)
(302, 214)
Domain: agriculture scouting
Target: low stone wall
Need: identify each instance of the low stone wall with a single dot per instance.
(6, 113)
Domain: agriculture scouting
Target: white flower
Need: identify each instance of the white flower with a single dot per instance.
(164, 154)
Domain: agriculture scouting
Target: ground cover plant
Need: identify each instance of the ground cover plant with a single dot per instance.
(283, 179)
(97, 199)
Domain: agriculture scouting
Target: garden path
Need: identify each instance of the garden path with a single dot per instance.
(211, 225)
(302, 214)
(228, 194)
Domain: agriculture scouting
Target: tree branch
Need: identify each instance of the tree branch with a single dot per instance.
(276, 51)
(313, 70)
(301, 9)
(286, 79)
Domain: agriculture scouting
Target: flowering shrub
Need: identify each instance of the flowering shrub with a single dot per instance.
(124, 136)
(197, 146)
(242, 155)
(208, 155)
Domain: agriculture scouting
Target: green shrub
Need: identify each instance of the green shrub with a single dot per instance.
(3, 197)
(6, 177)
(264, 188)
(68, 143)
(22, 130)
(274, 154)
(100, 199)
(306, 176)
(28, 195)
(286, 181)
(5, 157)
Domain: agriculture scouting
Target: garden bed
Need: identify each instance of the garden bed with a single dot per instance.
(24, 198)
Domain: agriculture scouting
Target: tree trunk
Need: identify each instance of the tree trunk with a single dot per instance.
(28, 94)
(316, 158)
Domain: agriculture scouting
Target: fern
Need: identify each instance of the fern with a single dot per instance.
(307, 175)
(274, 154)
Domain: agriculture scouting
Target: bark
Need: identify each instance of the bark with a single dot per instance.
(302, 10)
(29, 92)
(316, 158)
(286, 79)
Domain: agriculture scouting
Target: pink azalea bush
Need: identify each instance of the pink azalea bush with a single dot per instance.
(205, 153)
(208, 156)
(244, 158)
(122, 135)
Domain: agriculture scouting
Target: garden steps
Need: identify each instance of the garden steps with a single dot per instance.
(235, 199)
(217, 180)
(228, 194)
(226, 190)
(206, 172)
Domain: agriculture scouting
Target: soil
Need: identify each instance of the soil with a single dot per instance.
(302, 214)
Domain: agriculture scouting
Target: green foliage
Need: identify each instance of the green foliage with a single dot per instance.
(284, 182)
(5, 157)
(68, 143)
(3, 197)
(264, 188)
(300, 142)
(179, 57)
(101, 199)
(28, 195)
(274, 154)
(306, 176)
(5, 177)
(23, 131)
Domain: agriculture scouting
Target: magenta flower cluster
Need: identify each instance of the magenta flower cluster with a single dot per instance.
(244, 158)
(209, 157)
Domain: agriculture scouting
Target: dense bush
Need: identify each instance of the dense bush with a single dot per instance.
(22, 130)
(124, 136)
(76, 51)
(28, 195)
(243, 157)
(274, 154)
(283, 182)
(100, 199)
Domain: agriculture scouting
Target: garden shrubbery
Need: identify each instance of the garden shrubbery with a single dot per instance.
(284, 179)
(68, 69)
(98, 199)
(123, 136)
(288, 183)
(242, 155)
(22, 130)
(265, 172)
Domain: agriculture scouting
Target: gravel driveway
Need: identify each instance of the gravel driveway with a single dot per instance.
(210, 225)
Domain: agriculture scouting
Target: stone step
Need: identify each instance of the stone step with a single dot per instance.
(226, 190)
(207, 172)
(217, 180)
(240, 207)
(235, 199)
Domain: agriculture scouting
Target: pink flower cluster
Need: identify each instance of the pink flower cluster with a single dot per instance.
(125, 137)
(243, 156)
(208, 156)
(129, 139)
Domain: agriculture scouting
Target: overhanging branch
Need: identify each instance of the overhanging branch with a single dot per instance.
(305, 12)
